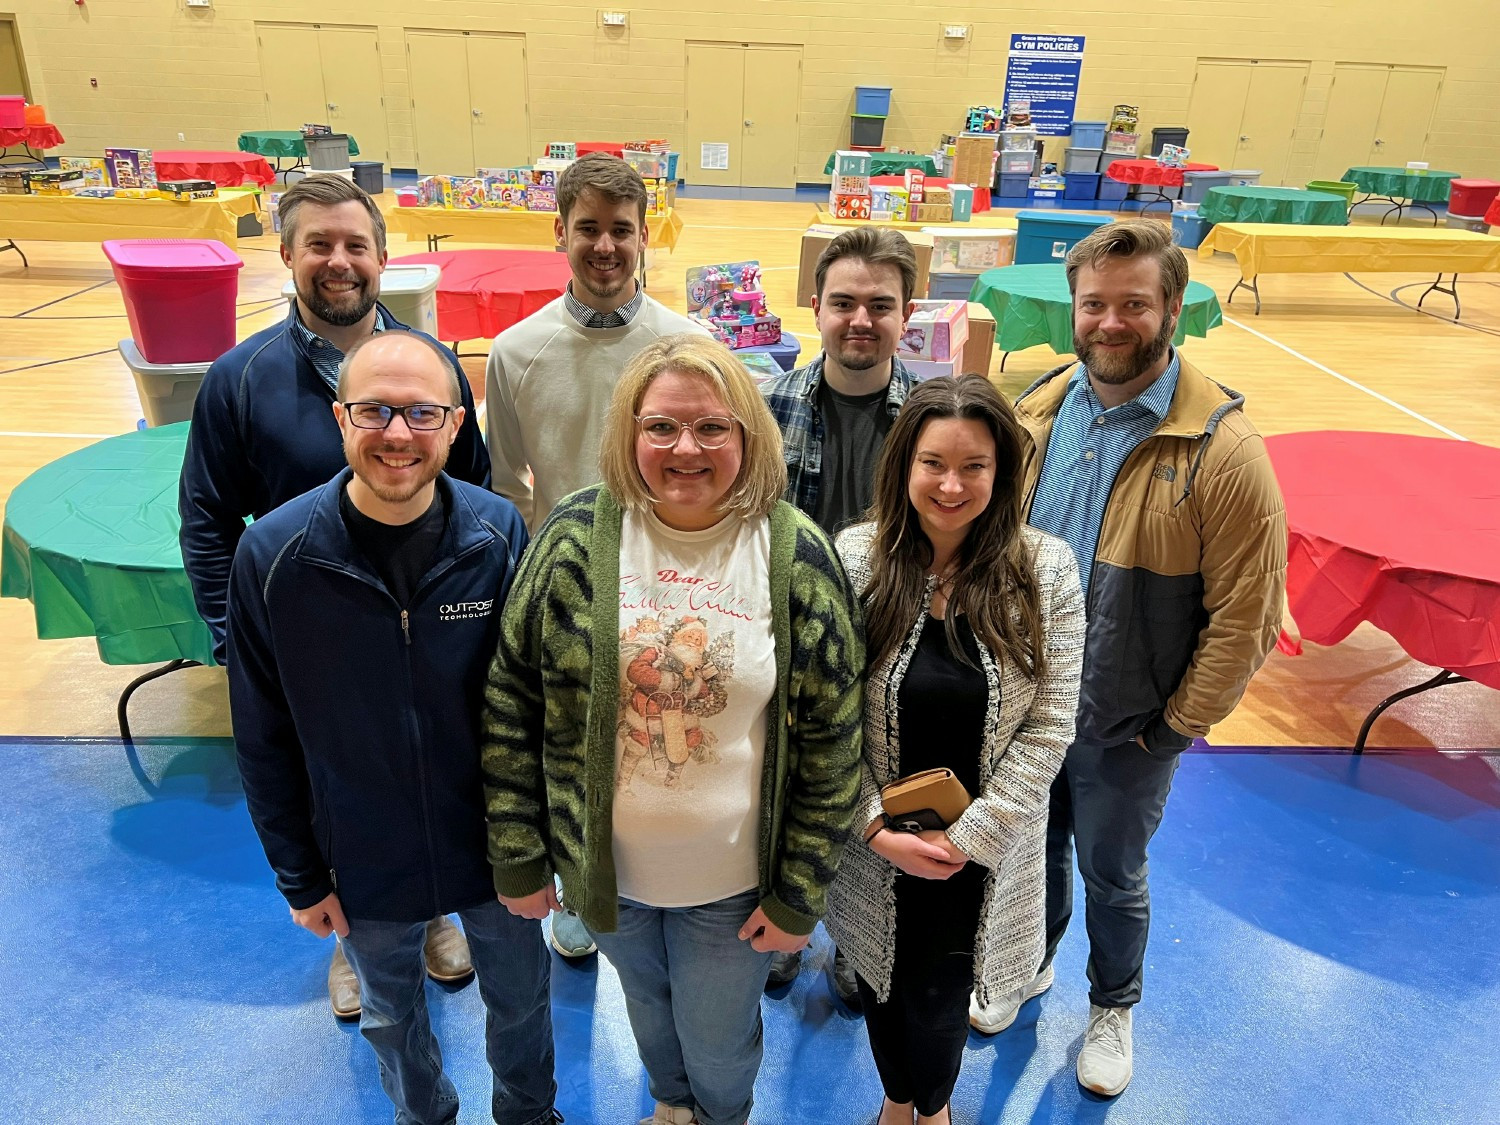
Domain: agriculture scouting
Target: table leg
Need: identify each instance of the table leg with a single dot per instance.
(10, 244)
(1451, 291)
(1442, 678)
(1003, 357)
(122, 708)
(1414, 204)
(1253, 285)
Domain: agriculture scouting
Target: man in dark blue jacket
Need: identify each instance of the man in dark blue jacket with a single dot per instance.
(263, 431)
(362, 617)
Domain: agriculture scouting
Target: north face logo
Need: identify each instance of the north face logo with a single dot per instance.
(1164, 472)
(458, 611)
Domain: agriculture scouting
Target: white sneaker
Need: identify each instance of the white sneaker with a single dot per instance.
(1002, 1013)
(670, 1115)
(1104, 1063)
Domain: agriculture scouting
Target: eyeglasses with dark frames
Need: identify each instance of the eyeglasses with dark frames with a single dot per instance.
(378, 415)
(712, 431)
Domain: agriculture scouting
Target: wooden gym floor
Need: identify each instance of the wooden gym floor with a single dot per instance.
(1328, 352)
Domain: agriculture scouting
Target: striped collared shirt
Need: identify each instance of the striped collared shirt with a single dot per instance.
(1085, 453)
(325, 356)
(592, 318)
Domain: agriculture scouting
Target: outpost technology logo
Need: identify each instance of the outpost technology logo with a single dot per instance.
(460, 611)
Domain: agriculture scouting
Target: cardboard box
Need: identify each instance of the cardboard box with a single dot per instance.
(963, 202)
(14, 183)
(979, 351)
(188, 189)
(816, 239)
(851, 185)
(849, 206)
(935, 330)
(932, 212)
(563, 150)
(54, 182)
(435, 191)
(130, 167)
(974, 159)
(924, 369)
(971, 249)
(468, 193)
(651, 165)
(847, 163)
(541, 199)
(94, 171)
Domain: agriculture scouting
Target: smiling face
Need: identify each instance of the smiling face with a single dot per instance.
(687, 481)
(395, 468)
(860, 314)
(1122, 326)
(952, 476)
(335, 263)
(603, 240)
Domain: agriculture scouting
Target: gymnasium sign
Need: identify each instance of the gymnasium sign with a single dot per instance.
(1044, 69)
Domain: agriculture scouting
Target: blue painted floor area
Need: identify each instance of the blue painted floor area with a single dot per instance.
(1323, 951)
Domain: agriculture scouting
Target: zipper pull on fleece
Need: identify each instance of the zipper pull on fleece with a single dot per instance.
(406, 627)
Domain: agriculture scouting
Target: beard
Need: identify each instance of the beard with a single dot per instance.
(429, 467)
(1116, 369)
(353, 307)
(859, 361)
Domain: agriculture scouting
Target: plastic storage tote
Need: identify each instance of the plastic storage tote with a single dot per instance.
(1196, 185)
(1089, 134)
(12, 111)
(370, 175)
(327, 153)
(874, 100)
(1168, 135)
(1081, 185)
(166, 390)
(1188, 230)
(866, 130)
(408, 291)
(1082, 159)
(1471, 197)
(179, 295)
(1046, 236)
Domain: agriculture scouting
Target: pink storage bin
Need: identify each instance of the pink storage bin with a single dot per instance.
(179, 294)
(12, 111)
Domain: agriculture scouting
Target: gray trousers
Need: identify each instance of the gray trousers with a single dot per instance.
(1109, 799)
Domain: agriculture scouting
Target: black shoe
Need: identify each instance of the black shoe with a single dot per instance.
(784, 969)
(844, 984)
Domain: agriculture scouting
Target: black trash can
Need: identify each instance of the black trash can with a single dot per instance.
(1168, 135)
(369, 174)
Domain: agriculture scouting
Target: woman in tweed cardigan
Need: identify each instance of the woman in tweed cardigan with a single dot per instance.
(960, 597)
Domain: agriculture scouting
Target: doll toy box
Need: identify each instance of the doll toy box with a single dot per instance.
(936, 330)
(729, 301)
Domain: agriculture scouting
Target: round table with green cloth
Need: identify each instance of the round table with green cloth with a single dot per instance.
(1274, 205)
(1031, 305)
(1403, 188)
(891, 163)
(278, 143)
(91, 540)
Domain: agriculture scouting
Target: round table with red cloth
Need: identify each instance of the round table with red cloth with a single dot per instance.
(1152, 174)
(1399, 531)
(1492, 216)
(981, 194)
(227, 169)
(484, 292)
(32, 136)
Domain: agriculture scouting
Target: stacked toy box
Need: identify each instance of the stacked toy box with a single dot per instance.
(933, 342)
(729, 301)
(849, 194)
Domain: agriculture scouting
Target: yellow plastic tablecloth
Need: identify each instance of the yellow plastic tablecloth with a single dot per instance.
(1290, 248)
(507, 228)
(64, 218)
(987, 219)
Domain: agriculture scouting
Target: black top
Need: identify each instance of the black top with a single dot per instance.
(400, 553)
(854, 429)
(942, 706)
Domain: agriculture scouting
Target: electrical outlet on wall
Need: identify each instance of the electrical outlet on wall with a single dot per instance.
(181, 136)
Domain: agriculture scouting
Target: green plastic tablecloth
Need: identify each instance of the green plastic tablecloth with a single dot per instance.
(1031, 305)
(892, 164)
(91, 541)
(281, 142)
(1402, 183)
(1274, 205)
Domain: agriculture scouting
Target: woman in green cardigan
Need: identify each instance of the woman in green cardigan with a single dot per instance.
(672, 722)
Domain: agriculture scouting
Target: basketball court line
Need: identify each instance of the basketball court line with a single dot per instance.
(1345, 379)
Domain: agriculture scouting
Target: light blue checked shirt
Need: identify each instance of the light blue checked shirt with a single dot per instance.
(1088, 447)
(325, 357)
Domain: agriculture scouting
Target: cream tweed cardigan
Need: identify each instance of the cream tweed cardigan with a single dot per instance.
(1028, 727)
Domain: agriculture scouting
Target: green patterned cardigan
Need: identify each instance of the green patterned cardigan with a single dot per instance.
(548, 751)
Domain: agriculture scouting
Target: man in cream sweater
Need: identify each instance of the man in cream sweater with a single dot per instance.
(550, 377)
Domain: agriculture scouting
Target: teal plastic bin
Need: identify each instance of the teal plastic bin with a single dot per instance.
(1045, 236)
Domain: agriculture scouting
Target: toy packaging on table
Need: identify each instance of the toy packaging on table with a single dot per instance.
(936, 330)
(970, 250)
(533, 187)
(1173, 156)
(729, 301)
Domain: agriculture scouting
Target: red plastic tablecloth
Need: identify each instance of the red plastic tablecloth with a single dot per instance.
(37, 136)
(981, 195)
(1492, 216)
(612, 147)
(484, 292)
(227, 169)
(1399, 531)
(1149, 172)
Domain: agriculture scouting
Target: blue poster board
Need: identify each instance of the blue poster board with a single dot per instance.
(1044, 69)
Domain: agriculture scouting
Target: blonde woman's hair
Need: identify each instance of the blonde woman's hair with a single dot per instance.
(762, 477)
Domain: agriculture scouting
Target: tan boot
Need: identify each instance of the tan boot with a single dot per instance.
(447, 952)
(343, 986)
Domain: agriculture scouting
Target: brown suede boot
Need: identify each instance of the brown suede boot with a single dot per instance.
(343, 986)
(447, 952)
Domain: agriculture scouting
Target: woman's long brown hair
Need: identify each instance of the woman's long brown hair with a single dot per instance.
(995, 584)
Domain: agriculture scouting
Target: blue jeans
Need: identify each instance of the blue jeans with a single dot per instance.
(514, 971)
(692, 992)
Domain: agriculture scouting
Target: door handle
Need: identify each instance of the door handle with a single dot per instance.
(333, 108)
(749, 124)
(1379, 141)
(477, 113)
(1243, 137)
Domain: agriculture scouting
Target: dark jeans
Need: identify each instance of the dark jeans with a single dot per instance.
(1109, 800)
(514, 971)
(918, 1035)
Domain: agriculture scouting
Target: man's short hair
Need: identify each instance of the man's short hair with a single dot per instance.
(455, 391)
(329, 190)
(607, 175)
(877, 246)
(1132, 238)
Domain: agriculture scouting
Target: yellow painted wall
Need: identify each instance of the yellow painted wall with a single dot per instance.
(163, 68)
